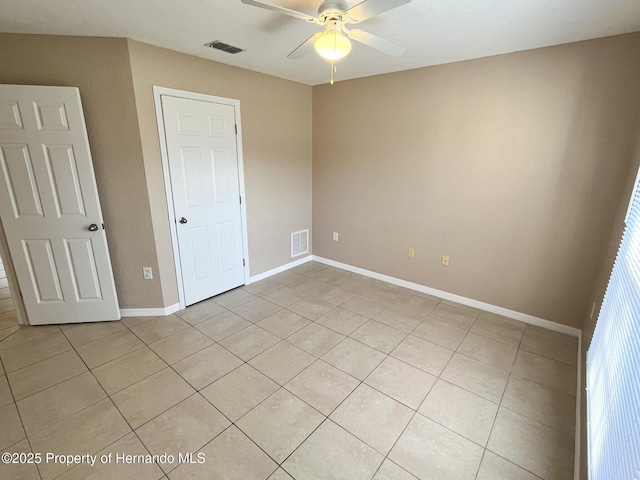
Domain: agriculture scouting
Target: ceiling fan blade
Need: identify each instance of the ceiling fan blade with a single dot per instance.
(305, 47)
(371, 8)
(376, 42)
(283, 10)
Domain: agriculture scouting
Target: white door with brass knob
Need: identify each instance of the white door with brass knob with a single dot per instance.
(50, 209)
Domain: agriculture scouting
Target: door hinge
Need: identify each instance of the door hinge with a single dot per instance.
(240, 199)
(236, 129)
(243, 263)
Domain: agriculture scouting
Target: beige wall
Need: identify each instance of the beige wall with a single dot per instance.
(115, 78)
(276, 127)
(100, 68)
(511, 165)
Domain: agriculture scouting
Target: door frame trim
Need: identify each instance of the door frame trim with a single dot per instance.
(12, 279)
(157, 93)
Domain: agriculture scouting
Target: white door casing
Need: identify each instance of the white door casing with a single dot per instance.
(205, 180)
(48, 204)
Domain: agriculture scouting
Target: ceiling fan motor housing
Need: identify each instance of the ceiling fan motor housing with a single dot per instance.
(332, 10)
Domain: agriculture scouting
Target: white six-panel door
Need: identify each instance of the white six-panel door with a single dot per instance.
(49, 207)
(203, 165)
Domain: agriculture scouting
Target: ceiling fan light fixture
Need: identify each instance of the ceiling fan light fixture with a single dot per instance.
(332, 45)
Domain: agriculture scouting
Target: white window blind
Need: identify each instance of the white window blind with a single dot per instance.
(613, 364)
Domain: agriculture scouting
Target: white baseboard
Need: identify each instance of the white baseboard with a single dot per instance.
(487, 307)
(149, 312)
(281, 268)
(523, 317)
(157, 312)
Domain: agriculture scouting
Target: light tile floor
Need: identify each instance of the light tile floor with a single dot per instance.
(314, 373)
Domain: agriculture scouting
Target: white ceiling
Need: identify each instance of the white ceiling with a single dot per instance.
(432, 31)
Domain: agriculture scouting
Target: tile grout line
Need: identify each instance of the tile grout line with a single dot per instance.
(284, 387)
(280, 387)
(503, 392)
(500, 405)
(416, 413)
(107, 397)
(362, 381)
(316, 359)
(196, 392)
(52, 385)
(493, 423)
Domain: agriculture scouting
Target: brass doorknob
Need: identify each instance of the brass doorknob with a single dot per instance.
(93, 227)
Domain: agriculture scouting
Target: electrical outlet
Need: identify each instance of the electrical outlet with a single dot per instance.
(412, 252)
(445, 260)
(147, 273)
(335, 236)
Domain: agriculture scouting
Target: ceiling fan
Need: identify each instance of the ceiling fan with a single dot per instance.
(334, 15)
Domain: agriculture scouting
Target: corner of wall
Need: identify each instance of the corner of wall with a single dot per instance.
(154, 186)
(277, 155)
(610, 249)
(101, 68)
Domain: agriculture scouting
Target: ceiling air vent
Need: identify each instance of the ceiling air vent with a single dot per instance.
(225, 47)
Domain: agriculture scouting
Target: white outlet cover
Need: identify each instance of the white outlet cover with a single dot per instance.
(335, 236)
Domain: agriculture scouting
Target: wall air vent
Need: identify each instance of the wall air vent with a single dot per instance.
(299, 243)
(225, 47)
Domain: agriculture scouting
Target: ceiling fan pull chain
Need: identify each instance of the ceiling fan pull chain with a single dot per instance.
(333, 69)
